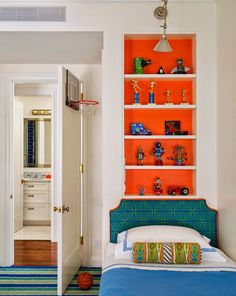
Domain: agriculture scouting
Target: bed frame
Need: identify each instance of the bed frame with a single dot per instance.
(189, 213)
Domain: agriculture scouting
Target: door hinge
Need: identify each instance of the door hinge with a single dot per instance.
(81, 168)
(81, 240)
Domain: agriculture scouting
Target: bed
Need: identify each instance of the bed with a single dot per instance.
(216, 275)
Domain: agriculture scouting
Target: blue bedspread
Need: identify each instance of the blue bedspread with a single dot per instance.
(136, 282)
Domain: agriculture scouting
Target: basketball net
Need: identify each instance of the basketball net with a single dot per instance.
(87, 107)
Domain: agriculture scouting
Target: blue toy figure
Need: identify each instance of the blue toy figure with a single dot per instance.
(141, 190)
(158, 151)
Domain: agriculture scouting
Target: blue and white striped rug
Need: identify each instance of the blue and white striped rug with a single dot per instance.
(42, 281)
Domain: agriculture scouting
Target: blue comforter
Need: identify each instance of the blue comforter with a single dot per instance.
(136, 282)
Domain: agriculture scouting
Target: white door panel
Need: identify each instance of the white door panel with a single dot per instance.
(18, 164)
(68, 176)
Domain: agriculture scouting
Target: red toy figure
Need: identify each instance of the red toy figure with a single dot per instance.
(157, 187)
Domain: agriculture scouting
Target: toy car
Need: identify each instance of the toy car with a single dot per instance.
(178, 190)
(137, 128)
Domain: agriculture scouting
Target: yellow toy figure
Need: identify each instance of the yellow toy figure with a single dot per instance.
(168, 99)
(140, 156)
(180, 155)
(184, 97)
(151, 92)
(137, 89)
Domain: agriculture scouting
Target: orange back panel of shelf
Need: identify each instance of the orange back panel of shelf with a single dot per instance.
(155, 119)
(131, 148)
(160, 88)
(146, 178)
(144, 48)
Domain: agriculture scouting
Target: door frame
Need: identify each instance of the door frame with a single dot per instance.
(11, 81)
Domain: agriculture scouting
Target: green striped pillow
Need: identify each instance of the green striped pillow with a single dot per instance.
(167, 253)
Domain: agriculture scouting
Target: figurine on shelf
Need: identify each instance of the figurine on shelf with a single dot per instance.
(168, 98)
(140, 156)
(161, 71)
(158, 151)
(172, 128)
(151, 92)
(157, 187)
(139, 64)
(137, 128)
(180, 68)
(141, 190)
(137, 89)
(180, 155)
(184, 97)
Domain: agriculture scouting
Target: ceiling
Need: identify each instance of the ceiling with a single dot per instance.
(51, 47)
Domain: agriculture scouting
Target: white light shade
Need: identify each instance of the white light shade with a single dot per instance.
(163, 45)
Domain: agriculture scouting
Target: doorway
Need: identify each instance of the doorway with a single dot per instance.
(33, 139)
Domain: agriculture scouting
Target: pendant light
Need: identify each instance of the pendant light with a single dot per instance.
(161, 13)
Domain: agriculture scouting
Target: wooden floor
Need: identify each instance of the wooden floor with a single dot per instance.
(35, 253)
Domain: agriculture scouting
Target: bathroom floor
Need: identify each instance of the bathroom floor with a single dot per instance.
(33, 233)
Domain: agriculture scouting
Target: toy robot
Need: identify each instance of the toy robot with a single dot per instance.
(141, 190)
(180, 155)
(157, 187)
(158, 151)
(140, 156)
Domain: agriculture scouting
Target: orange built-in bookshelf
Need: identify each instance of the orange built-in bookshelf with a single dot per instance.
(153, 117)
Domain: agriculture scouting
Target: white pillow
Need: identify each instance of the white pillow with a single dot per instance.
(156, 233)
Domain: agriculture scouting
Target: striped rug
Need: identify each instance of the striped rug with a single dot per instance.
(42, 281)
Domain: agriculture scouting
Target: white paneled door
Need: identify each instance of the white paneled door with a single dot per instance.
(67, 175)
(18, 164)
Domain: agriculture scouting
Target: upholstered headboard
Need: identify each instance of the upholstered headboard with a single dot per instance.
(189, 213)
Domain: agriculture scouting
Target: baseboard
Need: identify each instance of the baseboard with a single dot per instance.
(36, 223)
(95, 261)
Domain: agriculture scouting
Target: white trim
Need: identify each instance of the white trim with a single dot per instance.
(10, 81)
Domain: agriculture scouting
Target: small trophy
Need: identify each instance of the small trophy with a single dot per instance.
(184, 97)
(137, 89)
(168, 98)
(151, 93)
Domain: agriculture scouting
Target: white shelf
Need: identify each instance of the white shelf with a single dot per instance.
(161, 76)
(156, 167)
(164, 106)
(160, 137)
(160, 197)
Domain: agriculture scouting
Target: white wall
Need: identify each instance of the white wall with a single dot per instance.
(114, 19)
(226, 124)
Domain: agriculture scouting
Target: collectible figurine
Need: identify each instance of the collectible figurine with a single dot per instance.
(137, 89)
(140, 156)
(168, 99)
(158, 151)
(172, 128)
(180, 155)
(184, 97)
(161, 71)
(180, 68)
(157, 187)
(151, 92)
(139, 64)
(137, 128)
(141, 190)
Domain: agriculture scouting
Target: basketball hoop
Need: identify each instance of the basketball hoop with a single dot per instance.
(87, 106)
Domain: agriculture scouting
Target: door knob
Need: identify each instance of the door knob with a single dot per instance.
(65, 209)
(56, 209)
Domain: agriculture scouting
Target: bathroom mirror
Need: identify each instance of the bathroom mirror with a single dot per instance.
(37, 142)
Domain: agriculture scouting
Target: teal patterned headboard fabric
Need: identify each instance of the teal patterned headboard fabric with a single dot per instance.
(189, 213)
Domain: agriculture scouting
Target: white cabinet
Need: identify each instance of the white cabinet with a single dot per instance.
(37, 201)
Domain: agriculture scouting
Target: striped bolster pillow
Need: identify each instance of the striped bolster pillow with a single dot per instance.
(167, 253)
